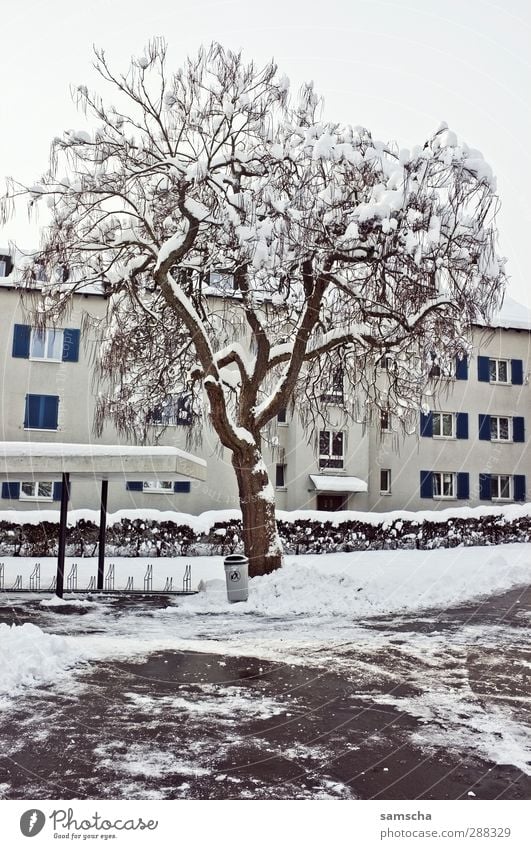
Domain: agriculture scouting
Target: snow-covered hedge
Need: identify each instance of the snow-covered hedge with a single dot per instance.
(165, 534)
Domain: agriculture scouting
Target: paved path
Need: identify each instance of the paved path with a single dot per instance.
(197, 725)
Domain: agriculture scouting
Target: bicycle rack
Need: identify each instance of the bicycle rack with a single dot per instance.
(1, 576)
(129, 585)
(18, 583)
(187, 578)
(53, 585)
(109, 577)
(92, 583)
(168, 586)
(35, 578)
(71, 581)
(148, 579)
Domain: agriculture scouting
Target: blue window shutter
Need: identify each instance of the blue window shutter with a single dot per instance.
(518, 429)
(517, 372)
(484, 487)
(519, 487)
(21, 340)
(484, 426)
(57, 491)
(461, 429)
(426, 424)
(181, 486)
(71, 345)
(483, 369)
(461, 368)
(463, 485)
(42, 411)
(10, 490)
(134, 486)
(50, 412)
(426, 485)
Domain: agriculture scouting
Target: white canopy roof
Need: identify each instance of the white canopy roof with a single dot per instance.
(102, 462)
(338, 483)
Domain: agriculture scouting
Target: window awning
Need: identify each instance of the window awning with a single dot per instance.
(338, 483)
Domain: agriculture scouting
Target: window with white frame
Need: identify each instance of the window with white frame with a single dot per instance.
(501, 487)
(36, 491)
(157, 486)
(385, 362)
(280, 476)
(333, 390)
(500, 428)
(331, 449)
(443, 425)
(499, 371)
(385, 481)
(444, 485)
(46, 345)
(174, 410)
(3, 267)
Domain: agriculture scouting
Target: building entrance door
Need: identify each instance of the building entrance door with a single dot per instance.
(331, 503)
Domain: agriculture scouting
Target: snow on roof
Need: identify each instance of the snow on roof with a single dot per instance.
(338, 483)
(511, 314)
(107, 461)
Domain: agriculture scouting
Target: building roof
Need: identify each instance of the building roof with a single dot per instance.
(511, 314)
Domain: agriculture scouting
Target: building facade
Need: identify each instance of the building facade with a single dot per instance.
(472, 447)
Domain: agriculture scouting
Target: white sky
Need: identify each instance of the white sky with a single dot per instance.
(398, 67)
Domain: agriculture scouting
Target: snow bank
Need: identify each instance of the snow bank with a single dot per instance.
(359, 584)
(30, 657)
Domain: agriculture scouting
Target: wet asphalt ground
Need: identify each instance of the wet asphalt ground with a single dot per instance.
(198, 725)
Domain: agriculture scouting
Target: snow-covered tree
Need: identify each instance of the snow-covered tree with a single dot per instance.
(256, 255)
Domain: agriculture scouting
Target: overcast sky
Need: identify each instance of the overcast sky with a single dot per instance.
(399, 67)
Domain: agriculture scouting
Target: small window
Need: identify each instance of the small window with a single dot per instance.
(282, 416)
(157, 486)
(444, 485)
(500, 428)
(385, 362)
(46, 345)
(42, 412)
(280, 476)
(499, 371)
(222, 281)
(331, 446)
(385, 481)
(385, 421)
(333, 393)
(443, 425)
(501, 487)
(3, 267)
(36, 491)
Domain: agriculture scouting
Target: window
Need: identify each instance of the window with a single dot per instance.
(334, 390)
(500, 428)
(52, 345)
(42, 412)
(3, 268)
(443, 425)
(385, 362)
(385, 481)
(36, 491)
(280, 476)
(46, 345)
(385, 421)
(157, 486)
(444, 485)
(282, 416)
(222, 281)
(501, 487)
(174, 410)
(498, 371)
(331, 445)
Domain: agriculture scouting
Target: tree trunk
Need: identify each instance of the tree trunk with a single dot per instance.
(257, 500)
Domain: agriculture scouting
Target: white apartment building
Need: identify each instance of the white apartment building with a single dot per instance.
(471, 448)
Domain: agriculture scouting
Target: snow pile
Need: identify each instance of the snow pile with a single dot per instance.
(30, 657)
(362, 584)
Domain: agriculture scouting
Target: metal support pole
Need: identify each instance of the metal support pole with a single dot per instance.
(103, 528)
(65, 495)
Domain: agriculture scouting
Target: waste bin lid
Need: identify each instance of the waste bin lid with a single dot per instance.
(234, 559)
